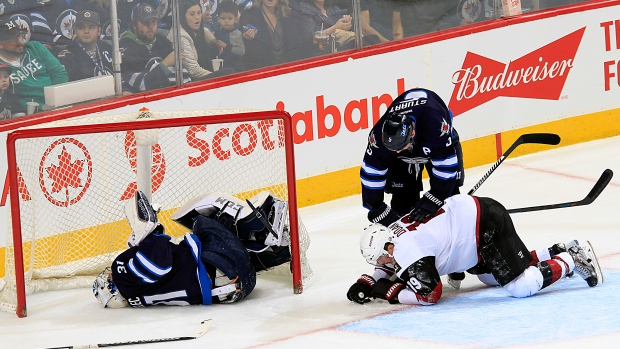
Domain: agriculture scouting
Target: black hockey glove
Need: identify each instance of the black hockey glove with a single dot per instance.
(388, 290)
(425, 208)
(383, 215)
(360, 291)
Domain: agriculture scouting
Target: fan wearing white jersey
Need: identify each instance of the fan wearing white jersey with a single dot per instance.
(468, 233)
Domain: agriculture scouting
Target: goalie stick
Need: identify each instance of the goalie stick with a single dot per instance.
(200, 331)
(538, 138)
(592, 195)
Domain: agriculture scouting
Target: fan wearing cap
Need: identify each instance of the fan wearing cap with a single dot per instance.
(33, 65)
(147, 57)
(87, 56)
(9, 104)
(415, 132)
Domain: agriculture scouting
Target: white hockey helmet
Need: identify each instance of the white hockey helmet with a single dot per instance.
(373, 242)
(106, 291)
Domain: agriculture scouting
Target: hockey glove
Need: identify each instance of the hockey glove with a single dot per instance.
(388, 290)
(384, 215)
(360, 291)
(425, 208)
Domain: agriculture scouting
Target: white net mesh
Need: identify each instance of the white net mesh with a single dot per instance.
(73, 188)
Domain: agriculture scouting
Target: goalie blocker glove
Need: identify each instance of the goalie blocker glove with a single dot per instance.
(383, 215)
(361, 290)
(425, 208)
(388, 290)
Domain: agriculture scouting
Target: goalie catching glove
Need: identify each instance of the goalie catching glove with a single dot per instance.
(361, 290)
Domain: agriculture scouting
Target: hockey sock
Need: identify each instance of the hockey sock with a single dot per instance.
(555, 268)
(541, 254)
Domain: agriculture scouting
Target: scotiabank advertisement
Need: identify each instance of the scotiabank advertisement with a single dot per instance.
(521, 72)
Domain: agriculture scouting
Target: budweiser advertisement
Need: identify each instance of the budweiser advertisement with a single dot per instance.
(539, 74)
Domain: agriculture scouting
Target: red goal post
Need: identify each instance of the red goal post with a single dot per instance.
(69, 207)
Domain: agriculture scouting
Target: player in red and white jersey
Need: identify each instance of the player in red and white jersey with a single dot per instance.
(468, 233)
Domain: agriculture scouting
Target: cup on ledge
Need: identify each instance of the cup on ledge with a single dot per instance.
(32, 107)
(218, 64)
(321, 38)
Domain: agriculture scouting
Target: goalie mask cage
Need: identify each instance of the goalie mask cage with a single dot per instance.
(70, 179)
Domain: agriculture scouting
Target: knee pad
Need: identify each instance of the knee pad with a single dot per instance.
(526, 284)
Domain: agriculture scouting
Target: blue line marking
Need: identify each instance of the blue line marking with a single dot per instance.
(491, 317)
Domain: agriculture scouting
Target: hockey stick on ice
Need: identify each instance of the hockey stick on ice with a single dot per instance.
(538, 138)
(592, 195)
(200, 331)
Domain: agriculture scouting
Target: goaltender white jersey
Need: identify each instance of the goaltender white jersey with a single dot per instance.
(451, 236)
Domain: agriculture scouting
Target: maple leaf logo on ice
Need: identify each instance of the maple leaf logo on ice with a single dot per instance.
(65, 172)
(540, 74)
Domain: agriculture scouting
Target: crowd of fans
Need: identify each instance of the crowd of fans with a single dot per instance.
(48, 42)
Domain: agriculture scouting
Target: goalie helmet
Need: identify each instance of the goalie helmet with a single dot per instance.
(397, 131)
(106, 291)
(373, 242)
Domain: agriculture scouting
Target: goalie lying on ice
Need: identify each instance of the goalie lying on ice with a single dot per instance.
(210, 265)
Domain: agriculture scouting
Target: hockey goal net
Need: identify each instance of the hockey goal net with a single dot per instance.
(74, 177)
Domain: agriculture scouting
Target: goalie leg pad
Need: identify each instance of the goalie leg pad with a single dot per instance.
(275, 212)
(271, 257)
(142, 218)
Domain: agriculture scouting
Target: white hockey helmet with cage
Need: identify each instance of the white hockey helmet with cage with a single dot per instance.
(106, 291)
(373, 242)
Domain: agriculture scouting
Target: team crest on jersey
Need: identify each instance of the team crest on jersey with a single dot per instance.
(445, 128)
(372, 140)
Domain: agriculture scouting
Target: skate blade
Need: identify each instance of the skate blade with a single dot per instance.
(594, 262)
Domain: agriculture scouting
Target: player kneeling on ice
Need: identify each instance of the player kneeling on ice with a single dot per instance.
(468, 233)
(211, 265)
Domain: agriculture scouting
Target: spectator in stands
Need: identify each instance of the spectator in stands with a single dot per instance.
(9, 104)
(163, 10)
(147, 57)
(322, 15)
(27, 14)
(210, 11)
(33, 65)
(271, 35)
(197, 43)
(379, 18)
(87, 55)
(426, 16)
(229, 38)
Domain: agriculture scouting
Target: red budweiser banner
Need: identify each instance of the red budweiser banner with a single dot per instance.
(540, 74)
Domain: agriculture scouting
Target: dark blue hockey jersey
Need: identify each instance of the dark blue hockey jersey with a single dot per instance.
(160, 272)
(434, 142)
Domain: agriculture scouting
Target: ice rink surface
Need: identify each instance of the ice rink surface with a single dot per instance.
(568, 314)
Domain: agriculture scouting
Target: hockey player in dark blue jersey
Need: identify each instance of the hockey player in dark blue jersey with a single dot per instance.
(416, 131)
(210, 265)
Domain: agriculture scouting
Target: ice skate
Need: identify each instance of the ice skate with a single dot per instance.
(563, 247)
(586, 263)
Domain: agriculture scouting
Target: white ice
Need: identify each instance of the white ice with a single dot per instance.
(568, 314)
